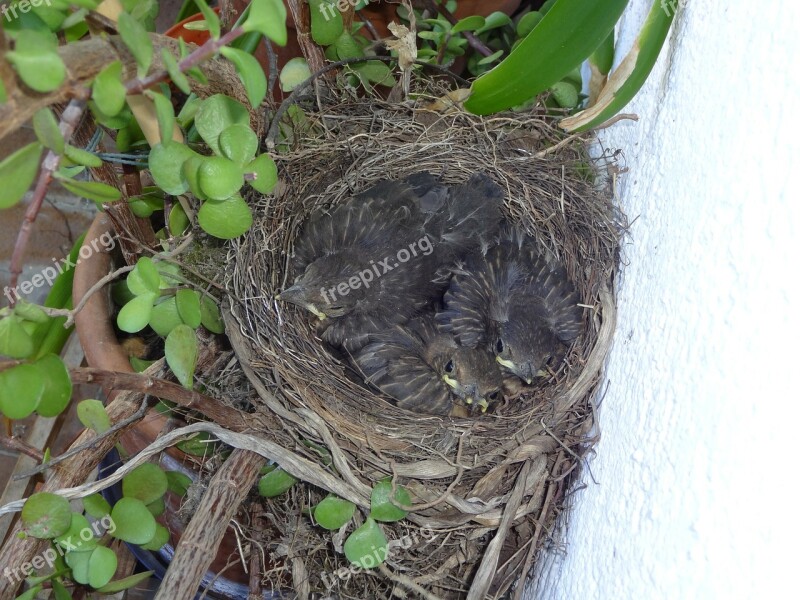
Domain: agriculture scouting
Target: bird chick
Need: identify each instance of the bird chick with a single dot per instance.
(384, 256)
(427, 371)
(515, 301)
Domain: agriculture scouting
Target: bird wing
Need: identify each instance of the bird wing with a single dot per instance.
(393, 363)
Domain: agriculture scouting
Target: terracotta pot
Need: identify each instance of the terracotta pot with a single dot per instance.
(94, 325)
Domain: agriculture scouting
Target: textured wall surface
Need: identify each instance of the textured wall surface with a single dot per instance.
(694, 471)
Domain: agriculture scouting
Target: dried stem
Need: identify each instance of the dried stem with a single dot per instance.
(21, 446)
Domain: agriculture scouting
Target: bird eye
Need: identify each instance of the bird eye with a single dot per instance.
(493, 396)
(448, 368)
(499, 346)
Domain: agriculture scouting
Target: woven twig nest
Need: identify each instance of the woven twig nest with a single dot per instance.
(486, 490)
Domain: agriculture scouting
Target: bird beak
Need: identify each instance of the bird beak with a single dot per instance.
(524, 372)
(296, 295)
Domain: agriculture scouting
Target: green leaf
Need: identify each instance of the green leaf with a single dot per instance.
(491, 58)
(375, 71)
(178, 482)
(60, 591)
(219, 178)
(36, 60)
(125, 583)
(166, 166)
(181, 352)
(15, 342)
(333, 512)
(210, 17)
(135, 315)
(134, 523)
(569, 32)
(293, 73)
(603, 57)
(82, 157)
(165, 115)
(22, 391)
(629, 77)
(347, 47)
(93, 415)
(326, 21)
(217, 113)
(46, 515)
(269, 18)
(275, 483)
(30, 312)
(367, 546)
(209, 315)
(137, 40)
(159, 539)
(238, 143)
(469, 24)
(528, 22)
(493, 21)
(178, 221)
(175, 74)
(102, 566)
(227, 219)
(147, 483)
(565, 94)
(198, 445)
(266, 172)
(45, 125)
(17, 172)
(190, 172)
(250, 72)
(78, 562)
(144, 278)
(165, 317)
(381, 507)
(93, 190)
(189, 307)
(71, 538)
(57, 385)
(96, 506)
(32, 593)
(157, 507)
(108, 92)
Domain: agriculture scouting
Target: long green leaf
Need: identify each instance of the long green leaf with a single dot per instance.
(569, 32)
(630, 75)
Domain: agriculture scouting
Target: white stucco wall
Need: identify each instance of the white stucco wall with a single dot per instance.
(695, 472)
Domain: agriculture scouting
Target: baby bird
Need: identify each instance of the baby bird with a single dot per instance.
(514, 301)
(426, 370)
(384, 256)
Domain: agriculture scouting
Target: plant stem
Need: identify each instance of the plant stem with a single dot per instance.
(18, 445)
(69, 121)
(207, 50)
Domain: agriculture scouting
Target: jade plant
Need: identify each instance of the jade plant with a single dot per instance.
(205, 157)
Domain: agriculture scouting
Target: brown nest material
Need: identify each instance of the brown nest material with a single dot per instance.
(486, 491)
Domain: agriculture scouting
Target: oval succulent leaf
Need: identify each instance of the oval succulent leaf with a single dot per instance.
(269, 18)
(189, 307)
(367, 546)
(250, 72)
(134, 523)
(17, 173)
(36, 60)
(181, 352)
(227, 219)
(333, 512)
(275, 483)
(57, 385)
(45, 125)
(219, 177)
(46, 515)
(266, 174)
(217, 113)
(108, 92)
(135, 315)
(137, 40)
(382, 508)
(22, 391)
(147, 483)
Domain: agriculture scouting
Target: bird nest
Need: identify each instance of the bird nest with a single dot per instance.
(486, 490)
